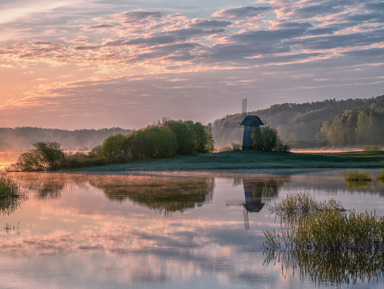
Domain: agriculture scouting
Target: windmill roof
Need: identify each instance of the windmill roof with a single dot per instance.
(252, 120)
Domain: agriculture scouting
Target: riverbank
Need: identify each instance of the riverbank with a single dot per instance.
(233, 160)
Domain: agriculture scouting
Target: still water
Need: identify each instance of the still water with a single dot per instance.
(179, 230)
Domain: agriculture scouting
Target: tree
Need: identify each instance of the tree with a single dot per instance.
(45, 156)
(112, 146)
(184, 136)
(203, 139)
(336, 135)
(151, 142)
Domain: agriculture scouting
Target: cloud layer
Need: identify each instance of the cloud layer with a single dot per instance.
(95, 59)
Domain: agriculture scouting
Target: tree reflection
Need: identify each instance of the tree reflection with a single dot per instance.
(164, 194)
(48, 185)
(330, 268)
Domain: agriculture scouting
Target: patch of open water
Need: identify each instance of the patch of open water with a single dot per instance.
(163, 230)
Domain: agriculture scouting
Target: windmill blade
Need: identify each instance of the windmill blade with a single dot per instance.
(244, 106)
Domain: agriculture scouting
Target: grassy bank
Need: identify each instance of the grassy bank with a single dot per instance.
(252, 160)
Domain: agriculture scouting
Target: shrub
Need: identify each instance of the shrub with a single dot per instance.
(45, 156)
(266, 139)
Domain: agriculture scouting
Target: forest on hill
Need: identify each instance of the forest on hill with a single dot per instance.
(350, 122)
(23, 138)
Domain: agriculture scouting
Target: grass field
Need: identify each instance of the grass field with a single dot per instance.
(233, 160)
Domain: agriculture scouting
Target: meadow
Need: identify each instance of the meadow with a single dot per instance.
(240, 160)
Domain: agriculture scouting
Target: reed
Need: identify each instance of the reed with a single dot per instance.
(10, 195)
(313, 225)
(381, 176)
(8, 188)
(357, 176)
(325, 241)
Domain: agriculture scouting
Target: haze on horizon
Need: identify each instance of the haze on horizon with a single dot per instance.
(98, 63)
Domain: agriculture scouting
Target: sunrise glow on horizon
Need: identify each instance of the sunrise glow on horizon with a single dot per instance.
(95, 64)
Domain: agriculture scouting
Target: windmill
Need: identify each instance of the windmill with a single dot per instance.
(250, 122)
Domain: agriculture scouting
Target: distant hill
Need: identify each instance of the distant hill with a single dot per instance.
(315, 124)
(22, 138)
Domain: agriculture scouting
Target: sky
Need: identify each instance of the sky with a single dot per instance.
(112, 63)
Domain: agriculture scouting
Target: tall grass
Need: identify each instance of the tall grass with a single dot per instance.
(381, 176)
(317, 235)
(10, 195)
(357, 176)
(8, 188)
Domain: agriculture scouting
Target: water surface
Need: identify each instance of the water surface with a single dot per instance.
(180, 230)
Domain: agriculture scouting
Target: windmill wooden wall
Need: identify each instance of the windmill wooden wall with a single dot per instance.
(250, 123)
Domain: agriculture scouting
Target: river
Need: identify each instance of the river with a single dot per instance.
(165, 230)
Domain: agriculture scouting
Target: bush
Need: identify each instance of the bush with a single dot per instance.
(266, 139)
(45, 156)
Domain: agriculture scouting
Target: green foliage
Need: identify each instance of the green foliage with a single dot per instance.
(45, 156)
(10, 195)
(151, 142)
(112, 146)
(357, 176)
(266, 139)
(184, 135)
(8, 188)
(202, 137)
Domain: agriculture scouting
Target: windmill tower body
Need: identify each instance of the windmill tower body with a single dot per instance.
(250, 123)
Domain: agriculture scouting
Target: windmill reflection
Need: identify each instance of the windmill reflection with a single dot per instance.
(257, 192)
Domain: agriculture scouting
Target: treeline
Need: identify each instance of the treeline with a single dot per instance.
(156, 141)
(22, 138)
(321, 123)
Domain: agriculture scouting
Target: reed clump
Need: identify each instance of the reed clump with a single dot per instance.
(10, 195)
(381, 176)
(314, 234)
(8, 188)
(294, 206)
(357, 176)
